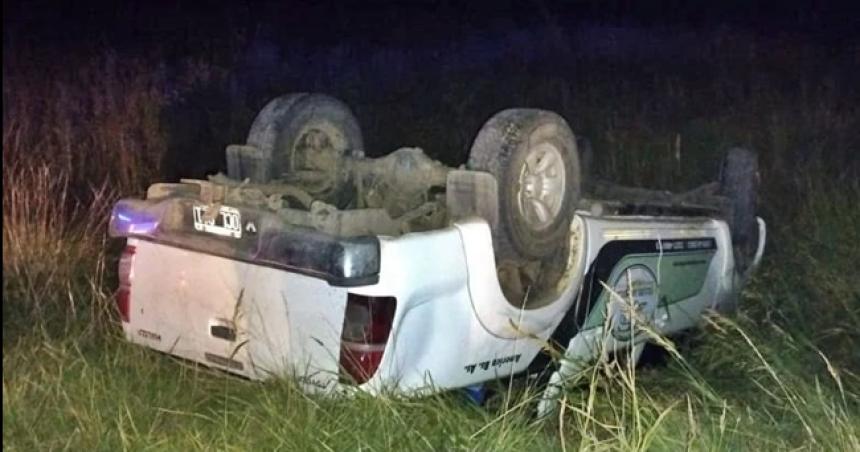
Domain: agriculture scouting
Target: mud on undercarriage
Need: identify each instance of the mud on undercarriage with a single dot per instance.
(304, 161)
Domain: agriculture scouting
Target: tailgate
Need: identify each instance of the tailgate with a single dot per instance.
(248, 319)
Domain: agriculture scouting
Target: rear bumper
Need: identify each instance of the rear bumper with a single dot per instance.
(265, 239)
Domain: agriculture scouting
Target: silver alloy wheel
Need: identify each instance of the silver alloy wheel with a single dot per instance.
(541, 186)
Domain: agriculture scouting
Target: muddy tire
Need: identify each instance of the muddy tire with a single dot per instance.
(533, 155)
(739, 183)
(304, 131)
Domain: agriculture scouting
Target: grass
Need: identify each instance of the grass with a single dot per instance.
(768, 391)
(782, 374)
(54, 251)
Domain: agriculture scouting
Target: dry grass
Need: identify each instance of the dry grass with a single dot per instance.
(54, 250)
(93, 120)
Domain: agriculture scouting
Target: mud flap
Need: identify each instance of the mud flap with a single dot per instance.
(472, 193)
(247, 162)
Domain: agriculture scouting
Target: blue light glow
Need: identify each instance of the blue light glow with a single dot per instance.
(126, 220)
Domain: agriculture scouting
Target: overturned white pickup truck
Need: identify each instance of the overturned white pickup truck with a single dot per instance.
(402, 275)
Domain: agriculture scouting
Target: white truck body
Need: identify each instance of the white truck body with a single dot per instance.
(452, 326)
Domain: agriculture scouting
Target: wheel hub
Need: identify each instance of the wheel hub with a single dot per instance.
(541, 186)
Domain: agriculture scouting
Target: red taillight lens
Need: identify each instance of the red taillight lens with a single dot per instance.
(123, 294)
(366, 327)
(123, 303)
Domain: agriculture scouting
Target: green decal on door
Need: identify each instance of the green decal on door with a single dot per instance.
(649, 282)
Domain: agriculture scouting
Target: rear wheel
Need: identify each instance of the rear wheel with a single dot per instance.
(533, 155)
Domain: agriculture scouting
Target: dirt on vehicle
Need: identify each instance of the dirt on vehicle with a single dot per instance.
(304, 160)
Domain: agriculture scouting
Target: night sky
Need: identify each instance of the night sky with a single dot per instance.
(426, 57)
(141, 24)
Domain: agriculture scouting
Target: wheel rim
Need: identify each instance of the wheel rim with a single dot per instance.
(316, 146)
(541, 186)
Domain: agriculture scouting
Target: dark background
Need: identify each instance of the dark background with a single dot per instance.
(429, 73)
(183, 24)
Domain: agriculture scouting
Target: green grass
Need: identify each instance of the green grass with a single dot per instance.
(784, 374)
(734, 390)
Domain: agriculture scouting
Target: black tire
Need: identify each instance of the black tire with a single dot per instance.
(283, 127)
(501, 148)
(739, 183)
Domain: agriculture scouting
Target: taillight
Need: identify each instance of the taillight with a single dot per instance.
(366, 327)
(123, 294)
